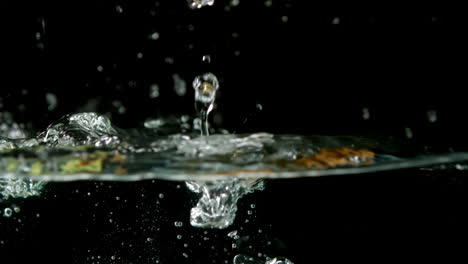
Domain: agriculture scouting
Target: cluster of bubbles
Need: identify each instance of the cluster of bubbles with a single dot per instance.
(242, 259)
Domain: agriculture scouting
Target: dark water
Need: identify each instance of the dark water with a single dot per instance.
(410, 214)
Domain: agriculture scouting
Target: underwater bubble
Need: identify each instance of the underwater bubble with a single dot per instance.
(7, 212)
(284, 19)
(178, 224)
(100, 68)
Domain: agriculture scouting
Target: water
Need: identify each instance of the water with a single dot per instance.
(205, 87)
(218, 170)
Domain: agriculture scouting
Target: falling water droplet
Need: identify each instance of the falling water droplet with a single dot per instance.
(232, 234)
(336, 21)
(205, 87)
(154, 36)
(51, 101)
(432, 116)
(119, 9)
(154, 91)
(206, 58)
(200, 3)
(408, 132)
(365, 114)
(180, 87)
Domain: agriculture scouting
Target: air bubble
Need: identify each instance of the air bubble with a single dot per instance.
(7, 212)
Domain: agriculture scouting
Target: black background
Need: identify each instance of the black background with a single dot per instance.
(399, 60)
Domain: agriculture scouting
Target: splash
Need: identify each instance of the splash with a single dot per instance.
(217, 206)
(81, 129)
(19, 188)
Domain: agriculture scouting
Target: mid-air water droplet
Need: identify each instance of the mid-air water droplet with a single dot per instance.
(197, 4)
(205, 87)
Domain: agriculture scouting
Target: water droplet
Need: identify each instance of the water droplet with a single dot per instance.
(120, 107)
(119, 9)
(249, 212)
(205, 88)
(432, 116)
(117, 198)
(336, 21)
(233, 245)
(178, 224)
(51, 101)
(235, 2)
(113, 257)
(161, 195)
(365, 114)
(252, 206)
(259, 107)
(185, 255)
(180, 86)
(179, 236)
(408, 132)
(206, 58)
(154, 91)
(154, 36)
(139, 55)
(7, 212)
(100, 68)
(268, 3)
(284, 19)
(232, 234)
(169, 60)
(237, 53)
(16, 209)
(200, 3)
